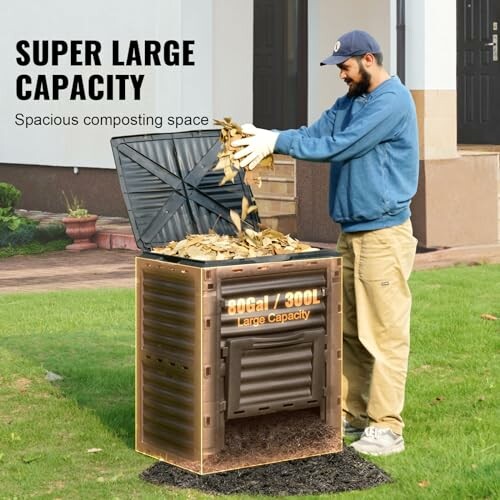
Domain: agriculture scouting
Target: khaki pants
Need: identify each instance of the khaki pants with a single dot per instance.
(377, 303)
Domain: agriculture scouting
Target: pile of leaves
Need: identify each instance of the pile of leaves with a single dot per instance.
(247, 244)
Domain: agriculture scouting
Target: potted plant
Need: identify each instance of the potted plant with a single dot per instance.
(80, 225)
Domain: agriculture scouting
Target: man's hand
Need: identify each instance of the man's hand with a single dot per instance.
(259, 145)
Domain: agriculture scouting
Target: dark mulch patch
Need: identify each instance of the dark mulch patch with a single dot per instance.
(267, 439)
(332, 473)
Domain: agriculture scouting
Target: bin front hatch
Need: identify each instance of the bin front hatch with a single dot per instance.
(171, 190)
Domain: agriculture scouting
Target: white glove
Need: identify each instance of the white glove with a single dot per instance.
(259, 145)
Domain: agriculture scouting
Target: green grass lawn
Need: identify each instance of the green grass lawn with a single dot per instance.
(46, 429)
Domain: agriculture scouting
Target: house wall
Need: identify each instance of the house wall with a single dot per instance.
(219, 84)
(456, 202)
(454, 192)
(214, 85)
(327, 21)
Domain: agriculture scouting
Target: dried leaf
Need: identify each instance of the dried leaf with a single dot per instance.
(22, 384)
(236, 219)
(251, 233)
(249, 178)
(229, 175)
(424, 483)
(489, 317)
(244, 207)
(267, 162)
(223, 163)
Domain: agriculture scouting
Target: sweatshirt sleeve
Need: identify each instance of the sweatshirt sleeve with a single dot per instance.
(321, 127)
(372, 124)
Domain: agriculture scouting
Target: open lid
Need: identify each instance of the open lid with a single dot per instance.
(171, 190)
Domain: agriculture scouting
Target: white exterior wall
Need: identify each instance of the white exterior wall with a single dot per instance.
(233, 59)
(431, 52)
(220, 82)
(328, 19)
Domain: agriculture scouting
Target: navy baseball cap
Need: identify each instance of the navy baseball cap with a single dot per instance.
(354, 43)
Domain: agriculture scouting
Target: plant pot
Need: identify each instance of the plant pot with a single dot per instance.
(80, 230)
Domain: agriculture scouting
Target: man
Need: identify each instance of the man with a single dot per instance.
(370, 137)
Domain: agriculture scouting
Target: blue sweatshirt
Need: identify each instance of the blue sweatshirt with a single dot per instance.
(371, 142)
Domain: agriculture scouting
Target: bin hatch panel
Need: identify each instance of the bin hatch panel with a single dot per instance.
(171, 190)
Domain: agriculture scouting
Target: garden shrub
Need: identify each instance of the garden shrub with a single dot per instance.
(9, 196)
(16, 230)
(50, 232)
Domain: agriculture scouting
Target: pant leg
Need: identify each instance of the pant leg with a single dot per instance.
(357, 361)
(383, 301)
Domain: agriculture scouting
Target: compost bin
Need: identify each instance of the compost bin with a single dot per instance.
(238, 362)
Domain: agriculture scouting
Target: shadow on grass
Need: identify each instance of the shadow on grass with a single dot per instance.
(97, 371)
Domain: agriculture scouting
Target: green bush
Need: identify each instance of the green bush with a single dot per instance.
(15, 231)
(50, 232)
(9, 196)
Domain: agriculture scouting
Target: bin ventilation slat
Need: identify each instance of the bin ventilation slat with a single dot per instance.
(167, 354)
(274, 372)
(266, 284)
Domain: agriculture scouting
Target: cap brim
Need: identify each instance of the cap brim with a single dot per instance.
(334, 60)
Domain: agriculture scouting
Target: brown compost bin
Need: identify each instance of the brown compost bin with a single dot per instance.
(238, 362)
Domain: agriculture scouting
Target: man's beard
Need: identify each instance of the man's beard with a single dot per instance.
(359, 88)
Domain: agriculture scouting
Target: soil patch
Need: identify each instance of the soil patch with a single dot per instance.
(331, 473)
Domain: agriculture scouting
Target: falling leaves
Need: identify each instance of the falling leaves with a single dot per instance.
(246, 208)
(247, 244)
(230, 132)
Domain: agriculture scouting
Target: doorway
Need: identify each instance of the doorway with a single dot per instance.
(478, 72)
(280, 63)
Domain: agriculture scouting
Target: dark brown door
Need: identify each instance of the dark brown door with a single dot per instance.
(280, 63)
(478, 71)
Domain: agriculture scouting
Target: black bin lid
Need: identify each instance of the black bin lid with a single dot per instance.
(171, 190)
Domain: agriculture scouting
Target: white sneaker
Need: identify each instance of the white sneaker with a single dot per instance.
(379, 441)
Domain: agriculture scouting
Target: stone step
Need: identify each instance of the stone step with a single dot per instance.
(111, 240)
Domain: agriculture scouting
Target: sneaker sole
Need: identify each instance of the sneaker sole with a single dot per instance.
(392, 451)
